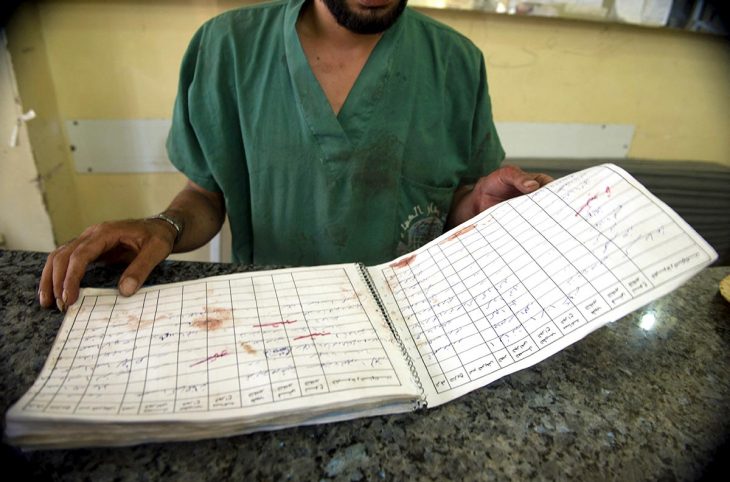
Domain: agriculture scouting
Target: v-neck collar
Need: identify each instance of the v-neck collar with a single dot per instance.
(338, 135)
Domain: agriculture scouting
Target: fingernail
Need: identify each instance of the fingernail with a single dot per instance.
(64, 297)
(128, 286)
(60, 305)
(43, 298)
(530, 184)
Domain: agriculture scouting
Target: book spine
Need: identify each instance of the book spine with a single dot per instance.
(421, 402)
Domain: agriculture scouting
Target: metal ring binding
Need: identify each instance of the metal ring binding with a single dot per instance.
(421, 402)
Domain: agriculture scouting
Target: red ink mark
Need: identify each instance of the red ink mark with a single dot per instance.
(606, 191)
(403, 262)
(212, 357)
(312, 335)
(463, 230)
(592, 198)
(276, 324)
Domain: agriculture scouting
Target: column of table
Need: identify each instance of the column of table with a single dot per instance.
(494, 252)
(297, 294)
(588, 240)
(472, 339)
(275, 330)
(136, 363)
(108, 339)
(222, 360)
(342, 334)
(159, 366)
(253, 362)
(421, 319)
(62, 390)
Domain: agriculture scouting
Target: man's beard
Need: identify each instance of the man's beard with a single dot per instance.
(365, 22)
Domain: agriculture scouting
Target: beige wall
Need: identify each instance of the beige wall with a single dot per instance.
(673, 86)
(119, 59)
(35, 85)
(24, 222)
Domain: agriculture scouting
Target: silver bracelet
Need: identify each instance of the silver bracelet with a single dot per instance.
(178, 227)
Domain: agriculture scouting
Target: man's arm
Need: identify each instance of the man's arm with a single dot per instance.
(142, 243)
(504, 183)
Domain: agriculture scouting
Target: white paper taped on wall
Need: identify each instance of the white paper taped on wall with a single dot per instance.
(654, 13)
(30, 115)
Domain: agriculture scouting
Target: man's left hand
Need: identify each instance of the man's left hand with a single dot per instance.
(504, 183)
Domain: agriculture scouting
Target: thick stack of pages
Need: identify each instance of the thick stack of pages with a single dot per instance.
(266, 350)
(215, 357)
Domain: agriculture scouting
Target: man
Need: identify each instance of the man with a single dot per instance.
(328, 131)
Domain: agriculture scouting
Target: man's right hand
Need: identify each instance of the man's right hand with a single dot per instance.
(143, 244)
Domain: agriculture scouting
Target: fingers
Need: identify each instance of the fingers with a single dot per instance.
(525, 182)
(543, 179)
(65, 267)
(145, 243)
(58, 274)
(45, 289)
(50, 291)
(152, 254)
(500, 185)
(96, 241)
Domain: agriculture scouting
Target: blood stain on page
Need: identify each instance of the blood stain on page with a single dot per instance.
(461, 232)
(213, 320)
(404, 262)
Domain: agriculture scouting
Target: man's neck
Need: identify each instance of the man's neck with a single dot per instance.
(335, 54)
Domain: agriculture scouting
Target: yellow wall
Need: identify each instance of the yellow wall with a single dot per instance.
(119, 59)
(673, 86)
(35, 86)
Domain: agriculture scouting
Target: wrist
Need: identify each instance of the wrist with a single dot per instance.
(176, 224)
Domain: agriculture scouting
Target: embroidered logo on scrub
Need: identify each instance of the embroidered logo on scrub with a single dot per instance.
(420, 226)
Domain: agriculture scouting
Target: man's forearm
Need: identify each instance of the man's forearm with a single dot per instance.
(200, 215)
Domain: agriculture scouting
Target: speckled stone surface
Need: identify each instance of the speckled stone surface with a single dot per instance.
(623, 403)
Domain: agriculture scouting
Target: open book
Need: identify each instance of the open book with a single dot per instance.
(265, 350)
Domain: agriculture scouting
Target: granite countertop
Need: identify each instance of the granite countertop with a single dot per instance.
(623, 403)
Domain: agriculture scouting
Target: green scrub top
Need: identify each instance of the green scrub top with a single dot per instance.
(304, 186)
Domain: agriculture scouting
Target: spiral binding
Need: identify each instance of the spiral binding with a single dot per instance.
(420, 403)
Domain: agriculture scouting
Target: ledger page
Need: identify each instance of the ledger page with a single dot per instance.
(242, 345)
(532, 275)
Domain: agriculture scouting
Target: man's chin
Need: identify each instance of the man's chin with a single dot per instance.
(378, 9)
(377, 4)
(366, 16)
